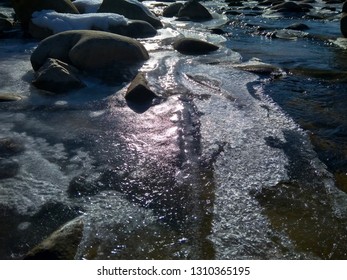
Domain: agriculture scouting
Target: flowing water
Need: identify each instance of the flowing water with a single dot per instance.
(228, 164)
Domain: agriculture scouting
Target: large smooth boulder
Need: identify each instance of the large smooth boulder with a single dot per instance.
(57, 77)
(131, 9)
(25, 8)
(61, 244)
(192, 46)
(91, 51)
(194, 11)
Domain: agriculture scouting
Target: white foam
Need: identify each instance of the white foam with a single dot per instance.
(59, 22)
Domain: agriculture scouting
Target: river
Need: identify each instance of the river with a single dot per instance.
(243, 157)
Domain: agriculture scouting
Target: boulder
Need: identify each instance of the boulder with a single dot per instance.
(57, 76)
(289, 8)
(194, 11)
(131, 9)
(91, 51)
(192, 46)
(25, 8)
(139, 91)
(343, 20)
(298, 26)
(5, 25)
(8, 168)
(172, 10)
(61, 244)
(39, 32)
(10, 147)
(84, 184)
(134, 29)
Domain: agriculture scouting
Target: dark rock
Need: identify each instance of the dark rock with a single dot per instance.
(131, 10)
(10, 147)
(83, 185)
(194, 11)
(193, 46)
(343, 25)
(61, 244)
(343, 20)
(289, 7)
(5, 25)
(172, 10)
(57, 76)
(218, 31)
(235, 3)
(134, 29)
(298, 26)
(139, 91)
(39, 32)
(8, 168)
(91, 51)
(24, 8)
(52, 215)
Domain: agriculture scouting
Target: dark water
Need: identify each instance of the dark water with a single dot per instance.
(230, 164)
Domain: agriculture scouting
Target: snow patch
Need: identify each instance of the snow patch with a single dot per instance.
(59, 22)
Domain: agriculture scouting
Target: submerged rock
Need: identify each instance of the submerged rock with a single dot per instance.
(289, 8)
(130, 9)
(194, 11)
(193, 46)
(24, 8)
(10, 147)
(61, 244)
(84, 184)
(139, 91)
(298, 26)
(57, 76)
(8, 168)
(91, 51)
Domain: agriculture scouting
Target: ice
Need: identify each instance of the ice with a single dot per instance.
(59, 22)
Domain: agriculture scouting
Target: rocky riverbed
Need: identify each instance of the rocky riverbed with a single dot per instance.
(183, 130)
